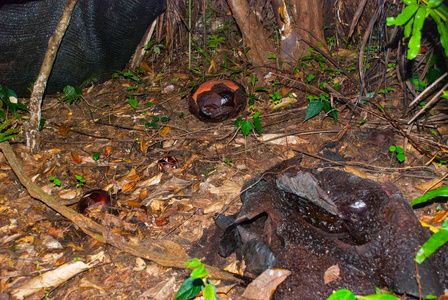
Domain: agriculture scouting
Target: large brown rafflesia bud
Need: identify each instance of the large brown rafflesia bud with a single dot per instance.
(216, 101)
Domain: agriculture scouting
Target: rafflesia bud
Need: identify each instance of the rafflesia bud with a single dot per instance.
(93, 199)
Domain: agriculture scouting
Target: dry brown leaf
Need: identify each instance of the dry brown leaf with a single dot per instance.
(164, 131)
(140, 264)
(278, 139)
(355, 171)
(227, 187)
(440, 216)
(75, 158)
(146, 67)
(163, 290)
(64, 129)
(51, 279)
(432, 184)
(174, 249)
(332, 274)
(108, 151)
(264, 285)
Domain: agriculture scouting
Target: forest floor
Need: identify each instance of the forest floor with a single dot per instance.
(171, 211)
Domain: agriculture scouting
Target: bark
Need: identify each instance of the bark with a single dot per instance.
(303, 20)
(253, 33)
(33, 134)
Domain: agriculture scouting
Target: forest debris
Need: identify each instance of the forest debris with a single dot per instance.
(265, 284)
(56, 277)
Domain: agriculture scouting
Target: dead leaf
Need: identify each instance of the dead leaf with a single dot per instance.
(140, 264)
(75, 158)
(51, 279)
(279, 139)
(440, 216)
(264, 285)
(174, 249)
(227, 187)
(108, 151)
(356, 171)
(164, 131)
(432, 184)
(163, 290)
(332, 274)
(64, 129)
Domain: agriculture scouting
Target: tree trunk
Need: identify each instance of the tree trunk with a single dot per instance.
(253, 33)
(297, 20)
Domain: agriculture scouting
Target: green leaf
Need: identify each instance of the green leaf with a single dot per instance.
(434, 3)
(238, 122)
(246, 127)
(404, 16)
(310, 77)
(133, 102)
(435, 241)
(200, 272)
(400, 150)
(443, 30)
(414, 42)
(379, 297)
(392, 148)
(440, 192)
(96, 156)
(189, 288)
(408, 28)
(342, 295)
(401, 157)
(257, 125)
(313, 109)
(209, 292)
(193, 263)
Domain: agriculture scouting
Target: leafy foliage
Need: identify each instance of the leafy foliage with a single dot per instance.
(439, 238)
(7, 134)
(413, 17)
(344, 294)
(399, 152)
(9, 101)
(71, 94)
(196, 283)
(246, 126)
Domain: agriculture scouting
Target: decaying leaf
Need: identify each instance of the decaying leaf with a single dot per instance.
(51, 279)
(227, 187)
(332, 274)
(265, 284)
(75, 158)
(174, 249)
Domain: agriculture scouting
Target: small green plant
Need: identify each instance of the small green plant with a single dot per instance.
(156, 47)
(344, 294)
(439, 238)
(71, 94)
(10, 102)
(227, 160)
(272, 56)
(81, 181)
(413, 17)
(197, 282)
(387, 90)
(56, 182)
(317, 105)
(210, 171)
(246, 126)
(128, 75)
(8, 133)
(275, 97)
(399, 152)
(95, 156)
(132, 101)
